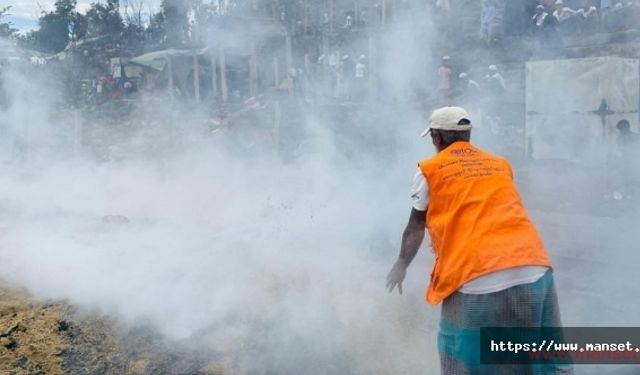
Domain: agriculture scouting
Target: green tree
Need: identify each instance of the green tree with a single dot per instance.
(176, 21)
(134, 30)
(6, 28)
(57, 28)
(170, 26)
(133, 11)
(156, 32)
(104, 19)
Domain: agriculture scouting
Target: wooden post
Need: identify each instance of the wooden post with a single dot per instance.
(331, 11)
(196, 76)
(326, 72)
(308, 73)
(253, 69)
(223, 76)
(214, 76)
(290, 68)
(170, 78)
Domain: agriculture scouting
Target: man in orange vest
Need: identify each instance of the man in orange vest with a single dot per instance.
(491, 268)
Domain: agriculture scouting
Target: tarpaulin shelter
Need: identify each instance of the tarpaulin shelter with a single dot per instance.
(573, 106)
(158, 60)
(165, 60)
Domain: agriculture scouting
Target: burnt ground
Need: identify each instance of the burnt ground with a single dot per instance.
(52, 338)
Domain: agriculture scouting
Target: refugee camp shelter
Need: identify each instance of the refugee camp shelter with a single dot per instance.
(578, 102)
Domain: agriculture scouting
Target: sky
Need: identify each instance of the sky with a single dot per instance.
(24, 13)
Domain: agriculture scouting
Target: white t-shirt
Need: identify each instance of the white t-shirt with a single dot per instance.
(420, 192)
(491, 282)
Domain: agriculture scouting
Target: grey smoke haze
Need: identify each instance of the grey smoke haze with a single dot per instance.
(284, 262)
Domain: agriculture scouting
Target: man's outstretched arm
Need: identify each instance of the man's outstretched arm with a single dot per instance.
(411, 240)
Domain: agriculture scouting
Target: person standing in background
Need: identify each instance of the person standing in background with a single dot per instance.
(360, 84)
(444, 79)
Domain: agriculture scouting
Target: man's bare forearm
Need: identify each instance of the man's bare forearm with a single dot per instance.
(412, 237)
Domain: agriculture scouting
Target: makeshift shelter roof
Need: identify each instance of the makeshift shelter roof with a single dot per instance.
(84, 42)
(158, 59)
(75, 46)
(10, 53)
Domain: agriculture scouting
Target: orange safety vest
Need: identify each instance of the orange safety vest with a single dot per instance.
(475, 218)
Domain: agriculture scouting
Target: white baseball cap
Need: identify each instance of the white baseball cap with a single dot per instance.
(448, 118)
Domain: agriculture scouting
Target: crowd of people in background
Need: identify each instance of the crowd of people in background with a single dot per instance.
(487, 91)
(550, 22)
(106, 88)
(553, 19)
(344, 71)
(554, 23)
(347, 76)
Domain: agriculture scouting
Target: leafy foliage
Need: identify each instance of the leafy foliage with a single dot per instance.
(57, 28)
(104, 19)
(175, 24)
(6, 28)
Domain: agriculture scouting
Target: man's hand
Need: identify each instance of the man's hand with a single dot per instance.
(396, 276)
(411, 239)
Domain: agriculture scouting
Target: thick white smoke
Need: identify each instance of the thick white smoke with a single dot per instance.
(282, 262)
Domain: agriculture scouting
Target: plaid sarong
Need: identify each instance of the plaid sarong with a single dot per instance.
(526, 305)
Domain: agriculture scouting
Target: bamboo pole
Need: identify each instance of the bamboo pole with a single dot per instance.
(214, 76)
(326, 73)
(196, 77)
(307, 68)
(170, 78)
(223, 75)
(331, 14)
(253, 69)
(290, 68)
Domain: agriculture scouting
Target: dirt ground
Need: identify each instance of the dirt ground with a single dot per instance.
(31, 341)
(43, 337)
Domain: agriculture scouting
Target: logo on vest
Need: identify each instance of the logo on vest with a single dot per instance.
(464, 152)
